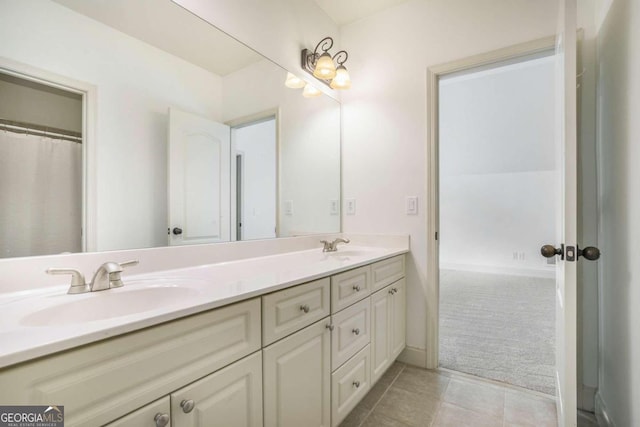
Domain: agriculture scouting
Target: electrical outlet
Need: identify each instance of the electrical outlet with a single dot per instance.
(350, 206)
(288, 207)
(411, 205)
(334, 207)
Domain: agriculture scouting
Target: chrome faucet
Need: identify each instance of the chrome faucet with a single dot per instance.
(332, 246)
(107, 276)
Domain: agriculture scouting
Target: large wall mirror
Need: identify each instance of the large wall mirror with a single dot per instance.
(132, 124)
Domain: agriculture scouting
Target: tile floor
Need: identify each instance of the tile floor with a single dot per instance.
(410, 396)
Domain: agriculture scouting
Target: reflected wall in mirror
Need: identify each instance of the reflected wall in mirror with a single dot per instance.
(142, 59)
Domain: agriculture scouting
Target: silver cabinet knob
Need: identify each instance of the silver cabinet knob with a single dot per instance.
(330, 327)
(356, 288)
(161, 419)
(356, 331)
(356, 384)
(187, 405)
(390, 291)
(304, 308)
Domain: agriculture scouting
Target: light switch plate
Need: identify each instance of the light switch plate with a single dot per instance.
(412, 205)
(350, 206)
(288, 207)
(334, 207)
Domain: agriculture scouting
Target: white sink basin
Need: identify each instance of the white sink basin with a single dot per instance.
(349, 252)
(109, 304)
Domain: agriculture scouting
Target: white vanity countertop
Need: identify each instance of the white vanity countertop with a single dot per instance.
(38, 322)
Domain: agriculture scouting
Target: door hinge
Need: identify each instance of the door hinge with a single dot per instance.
(436, 235)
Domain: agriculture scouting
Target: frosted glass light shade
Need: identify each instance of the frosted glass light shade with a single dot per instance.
(294, 82)
(325, 68)
(342, 79)
(310, 91)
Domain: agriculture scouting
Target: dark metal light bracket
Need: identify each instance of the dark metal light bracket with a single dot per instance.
(308, 58)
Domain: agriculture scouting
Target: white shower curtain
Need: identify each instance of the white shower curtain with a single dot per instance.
(40, 195)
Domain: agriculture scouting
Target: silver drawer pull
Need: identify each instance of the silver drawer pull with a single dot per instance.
(356, 384)
(161, 419)
(187, 405)
(356, 331)
(304, 308)
(356, 288)
(330, 327)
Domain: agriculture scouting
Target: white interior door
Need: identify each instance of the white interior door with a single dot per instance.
(199, 179)
(566, 311)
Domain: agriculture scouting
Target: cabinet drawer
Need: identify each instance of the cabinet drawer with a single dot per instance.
(290, 310)
(350, 287)
(230, 397)
(145, 416)
(124, 373)
(387, 271)
(349, 384)
(351, 332)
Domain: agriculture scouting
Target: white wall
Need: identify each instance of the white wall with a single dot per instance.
(257, 143)
(384, 146)
(619, 155)
(132, 119)
(278, 29)
(309, 144)
(496, 148)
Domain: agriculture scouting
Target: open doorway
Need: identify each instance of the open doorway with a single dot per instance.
(496, 174)
(41, 166)
(255, 160)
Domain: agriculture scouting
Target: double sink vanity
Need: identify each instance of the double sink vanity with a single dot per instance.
(294, 338)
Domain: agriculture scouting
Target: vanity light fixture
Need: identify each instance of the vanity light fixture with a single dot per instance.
(310, 91)
(321, 65)
(294, 82)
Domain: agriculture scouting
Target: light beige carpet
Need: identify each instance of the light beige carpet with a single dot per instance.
(499, 327)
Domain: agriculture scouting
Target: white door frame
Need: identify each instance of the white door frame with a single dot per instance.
(433, 220)
(89, 94)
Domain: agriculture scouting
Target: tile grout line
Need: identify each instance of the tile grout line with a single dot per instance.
(440, 402)
(382, 395)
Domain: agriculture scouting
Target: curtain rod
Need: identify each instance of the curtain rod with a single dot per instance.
(38, 130)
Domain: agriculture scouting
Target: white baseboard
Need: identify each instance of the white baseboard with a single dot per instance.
(602, 414)
(543, 272)
(414, 356)
(587, 398)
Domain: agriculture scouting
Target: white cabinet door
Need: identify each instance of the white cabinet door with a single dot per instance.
(388, 327)
(398, 317)
(231, 397)
(380, 333)
(297, 379)
(154, 414)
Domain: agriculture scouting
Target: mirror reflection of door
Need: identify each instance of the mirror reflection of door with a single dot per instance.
(199, 179)
(255, 148)
(41, 168)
